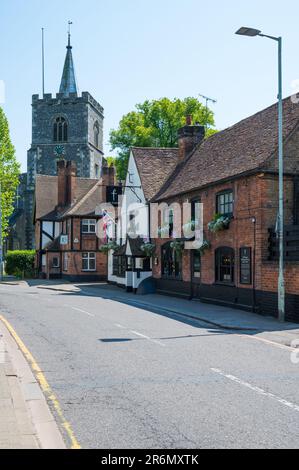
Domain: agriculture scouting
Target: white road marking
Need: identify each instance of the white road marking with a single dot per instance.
(147, 337)
(273, 343)
(258, 390)
(118, 325)
(83, 311)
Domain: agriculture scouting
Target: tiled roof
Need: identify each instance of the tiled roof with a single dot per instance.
(46, 197)
(88, 202)
(246, 146)
(154, 166)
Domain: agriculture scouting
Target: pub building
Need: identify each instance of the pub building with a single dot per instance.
(234, 174)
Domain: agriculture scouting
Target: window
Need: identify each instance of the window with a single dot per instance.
(65, 261)
(225, 265)
(171, 219)
(55, 262)
(88, 261)
(60, 130)
(119, 266)
(225, 203)
(96, 171)
(96, 133)
(195, 210)
(196, 265)
(89, 226)
(171, 262)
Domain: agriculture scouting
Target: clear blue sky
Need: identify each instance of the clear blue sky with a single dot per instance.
(126, 51)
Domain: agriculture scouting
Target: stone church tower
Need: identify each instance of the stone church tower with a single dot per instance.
(63, 126)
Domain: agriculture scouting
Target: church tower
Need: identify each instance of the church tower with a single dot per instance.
(66, 126)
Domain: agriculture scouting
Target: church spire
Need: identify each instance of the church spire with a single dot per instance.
(68, 81)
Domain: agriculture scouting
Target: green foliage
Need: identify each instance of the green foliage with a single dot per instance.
(148, 249)
(219, 223)
(177, 246)
(20, 263)
(110, 161)
(155, 124)
(112, 245)
(206, 245)
(9, 172)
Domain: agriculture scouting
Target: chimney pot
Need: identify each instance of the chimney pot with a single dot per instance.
(188, 120)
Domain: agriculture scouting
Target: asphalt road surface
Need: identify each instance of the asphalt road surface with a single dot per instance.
(126, 377)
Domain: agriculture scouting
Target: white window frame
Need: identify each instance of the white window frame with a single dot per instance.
(58, 262)
(89, 256)
(89, 223)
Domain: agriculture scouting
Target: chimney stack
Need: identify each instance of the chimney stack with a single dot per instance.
(66, 172)
(71, 180)
(61, 183)
(189, 137)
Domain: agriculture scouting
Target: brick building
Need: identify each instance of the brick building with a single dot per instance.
(66, 219)
(235, 174)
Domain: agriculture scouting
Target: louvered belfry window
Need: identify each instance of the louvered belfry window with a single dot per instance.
(60, 130)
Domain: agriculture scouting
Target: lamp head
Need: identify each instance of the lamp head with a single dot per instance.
(251, 32)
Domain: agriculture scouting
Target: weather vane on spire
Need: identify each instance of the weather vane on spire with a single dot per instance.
(69, 33)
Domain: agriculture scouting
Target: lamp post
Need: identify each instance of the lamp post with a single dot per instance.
(1, 239)
(251, 32)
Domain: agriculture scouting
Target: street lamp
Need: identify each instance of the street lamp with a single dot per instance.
(1, 238)
(251, 32)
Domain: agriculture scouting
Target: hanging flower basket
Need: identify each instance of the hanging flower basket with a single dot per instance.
(204, 247)
(177, 246)
(109, 246)
(219, 223)
(148, 249)
(189, 228)
(164, 230)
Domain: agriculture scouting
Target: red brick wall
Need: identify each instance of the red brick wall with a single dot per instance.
(75, 265)
(255, 197)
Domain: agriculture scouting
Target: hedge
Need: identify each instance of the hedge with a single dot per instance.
(20, 263)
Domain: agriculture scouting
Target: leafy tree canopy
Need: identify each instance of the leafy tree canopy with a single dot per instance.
(155, 124)
(9, 172)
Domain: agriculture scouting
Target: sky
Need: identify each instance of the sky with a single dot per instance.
(126, 51)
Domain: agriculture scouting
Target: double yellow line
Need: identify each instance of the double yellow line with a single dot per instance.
(43, 384)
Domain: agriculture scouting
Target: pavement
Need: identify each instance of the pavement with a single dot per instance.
(130, 372)
(26, 421)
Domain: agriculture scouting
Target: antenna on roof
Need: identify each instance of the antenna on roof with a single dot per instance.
(207, 99)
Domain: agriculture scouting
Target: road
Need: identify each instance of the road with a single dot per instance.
(126, 377)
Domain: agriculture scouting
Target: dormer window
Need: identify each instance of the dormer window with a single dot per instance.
(60, 130)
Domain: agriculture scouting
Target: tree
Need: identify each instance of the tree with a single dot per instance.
(9, 172)
(155, 124)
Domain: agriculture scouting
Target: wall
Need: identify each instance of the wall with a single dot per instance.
(254, 200)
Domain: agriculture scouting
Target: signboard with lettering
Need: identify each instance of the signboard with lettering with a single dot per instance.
(112, 194)
(245, 265)
(64, 239)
